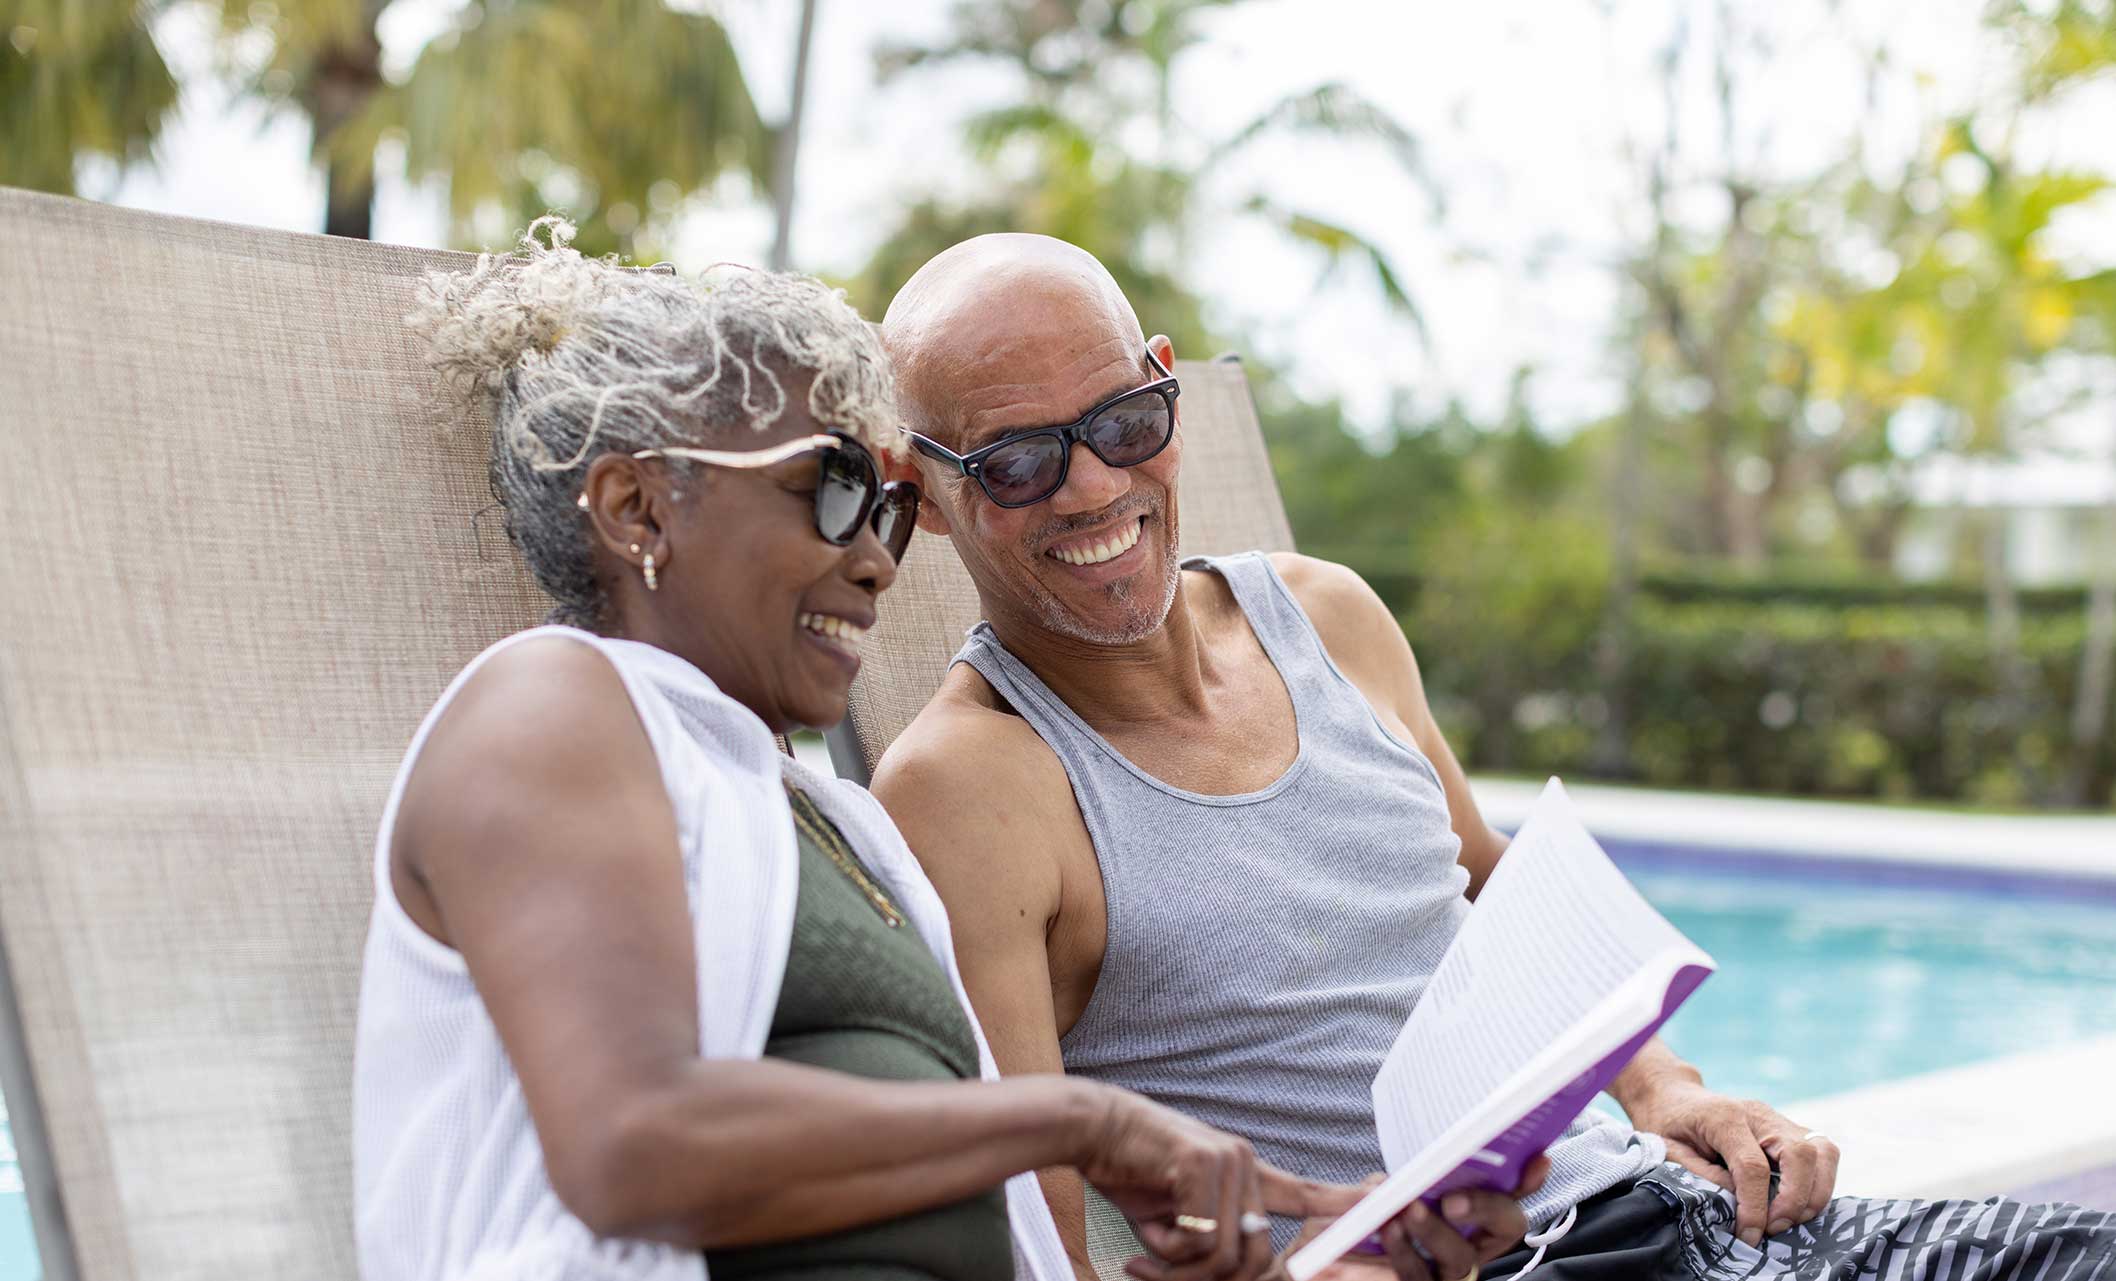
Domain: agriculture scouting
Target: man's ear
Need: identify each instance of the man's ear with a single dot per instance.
(1165, 352)
(930, 516)
(907, 466)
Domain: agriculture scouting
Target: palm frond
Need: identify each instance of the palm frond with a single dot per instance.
(77, 78)
(1339, 111)
(1339, 244)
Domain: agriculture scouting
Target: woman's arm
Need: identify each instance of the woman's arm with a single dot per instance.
(536, 839)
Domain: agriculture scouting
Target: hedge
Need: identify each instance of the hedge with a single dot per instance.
(1750, 691)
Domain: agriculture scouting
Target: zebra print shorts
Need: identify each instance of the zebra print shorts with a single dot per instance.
(1673, 1226)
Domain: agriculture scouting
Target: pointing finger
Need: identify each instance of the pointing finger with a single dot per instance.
(1290, 1194)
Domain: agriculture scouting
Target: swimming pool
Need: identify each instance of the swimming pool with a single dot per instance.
(1829, 981)
(18, 1249)
(1831, 976)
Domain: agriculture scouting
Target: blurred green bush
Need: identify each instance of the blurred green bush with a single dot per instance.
(1854, 689)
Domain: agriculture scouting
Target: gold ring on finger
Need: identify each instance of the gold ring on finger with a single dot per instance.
(1197, 1223)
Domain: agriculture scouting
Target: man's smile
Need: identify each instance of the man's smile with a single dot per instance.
(1099, 546)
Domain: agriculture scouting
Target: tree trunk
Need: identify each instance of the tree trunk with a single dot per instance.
(345, 79)
(789, 149)
(349, 208)
(1611, 757)
(2097, 664)
(2002, 629)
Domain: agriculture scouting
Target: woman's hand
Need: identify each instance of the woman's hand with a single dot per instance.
(1171, 1175)
(1424, 1246)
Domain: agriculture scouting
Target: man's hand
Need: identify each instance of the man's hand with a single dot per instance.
(1425, 1246)
(1734, 1143)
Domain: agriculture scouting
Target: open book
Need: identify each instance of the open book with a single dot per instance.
(1559, 975)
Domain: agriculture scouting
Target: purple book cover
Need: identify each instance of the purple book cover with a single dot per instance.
(1500, 1163)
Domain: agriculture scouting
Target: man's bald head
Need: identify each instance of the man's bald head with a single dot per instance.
(995, 312)
(1009, 334)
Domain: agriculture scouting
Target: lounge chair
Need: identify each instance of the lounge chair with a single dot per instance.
(246, 550)
(244, 555)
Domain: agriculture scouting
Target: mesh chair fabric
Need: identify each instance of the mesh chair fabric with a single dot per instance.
(246, 552)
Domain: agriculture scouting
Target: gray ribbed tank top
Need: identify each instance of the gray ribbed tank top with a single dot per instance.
(1264, 949)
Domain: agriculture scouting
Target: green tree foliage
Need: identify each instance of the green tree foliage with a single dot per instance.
(615, 110)
(1094, 154)
(612, 109)
(76, 79)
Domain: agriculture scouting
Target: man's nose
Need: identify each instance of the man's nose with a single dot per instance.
(1090, 483)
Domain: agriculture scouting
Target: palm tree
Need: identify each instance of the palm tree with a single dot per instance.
(784, 159)
(77, 78)
(614, 109)
(1055, 163)
(326, 61)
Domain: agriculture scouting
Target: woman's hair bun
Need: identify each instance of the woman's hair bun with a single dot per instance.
(509, 309)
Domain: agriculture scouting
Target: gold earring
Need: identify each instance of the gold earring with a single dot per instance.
(652, 585)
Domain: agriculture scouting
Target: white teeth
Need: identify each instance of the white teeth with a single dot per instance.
(1108, 549)
(829, 626)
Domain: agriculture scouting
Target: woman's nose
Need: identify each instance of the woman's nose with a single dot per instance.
(870, 564)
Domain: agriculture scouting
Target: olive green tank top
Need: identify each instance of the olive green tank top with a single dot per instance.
(863, 995)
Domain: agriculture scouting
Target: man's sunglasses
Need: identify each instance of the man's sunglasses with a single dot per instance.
(1029, 466)
(849, 491)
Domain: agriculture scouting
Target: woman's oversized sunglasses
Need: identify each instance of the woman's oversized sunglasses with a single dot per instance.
(1027, 467)
(849, 491)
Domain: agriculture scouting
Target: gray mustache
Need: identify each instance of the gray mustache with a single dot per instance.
(1074, 524)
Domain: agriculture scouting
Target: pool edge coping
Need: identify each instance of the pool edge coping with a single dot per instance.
(2069, 847)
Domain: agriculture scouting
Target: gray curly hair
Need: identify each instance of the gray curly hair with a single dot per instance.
(576, 357)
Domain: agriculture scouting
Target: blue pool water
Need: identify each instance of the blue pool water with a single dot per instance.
(1825, 983)
(18, 1251)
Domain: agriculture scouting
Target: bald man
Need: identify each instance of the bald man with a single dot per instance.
(1197, 830)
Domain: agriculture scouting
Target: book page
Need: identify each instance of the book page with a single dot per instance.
(1555, 931)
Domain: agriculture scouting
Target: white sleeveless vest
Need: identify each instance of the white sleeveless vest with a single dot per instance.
(449, 1179)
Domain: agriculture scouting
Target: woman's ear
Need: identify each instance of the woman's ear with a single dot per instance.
(624, 508)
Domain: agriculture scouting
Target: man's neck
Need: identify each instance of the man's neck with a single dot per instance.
(1154, 680)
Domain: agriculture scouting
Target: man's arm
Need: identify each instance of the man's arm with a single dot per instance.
(1733, 1142)
(1000, 878)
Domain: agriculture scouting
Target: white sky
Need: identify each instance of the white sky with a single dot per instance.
(1524, 108)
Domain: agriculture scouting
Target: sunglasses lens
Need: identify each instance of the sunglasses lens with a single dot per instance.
(844, 488)
(895, 516)
(1025, 471)
(1132, 430)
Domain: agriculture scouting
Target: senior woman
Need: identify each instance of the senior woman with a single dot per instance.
(641, 996)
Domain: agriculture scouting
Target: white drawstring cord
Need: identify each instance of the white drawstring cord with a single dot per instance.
(1547, 1238)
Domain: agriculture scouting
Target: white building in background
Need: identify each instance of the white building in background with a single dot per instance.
(2056, 510)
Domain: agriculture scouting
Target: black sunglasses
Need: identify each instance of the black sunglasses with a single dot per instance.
(849, 492)
(1029, 466)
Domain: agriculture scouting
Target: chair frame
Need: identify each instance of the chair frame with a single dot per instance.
(33, 1151)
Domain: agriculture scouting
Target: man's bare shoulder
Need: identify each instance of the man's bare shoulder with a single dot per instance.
(968, 775)
(1348, 614)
